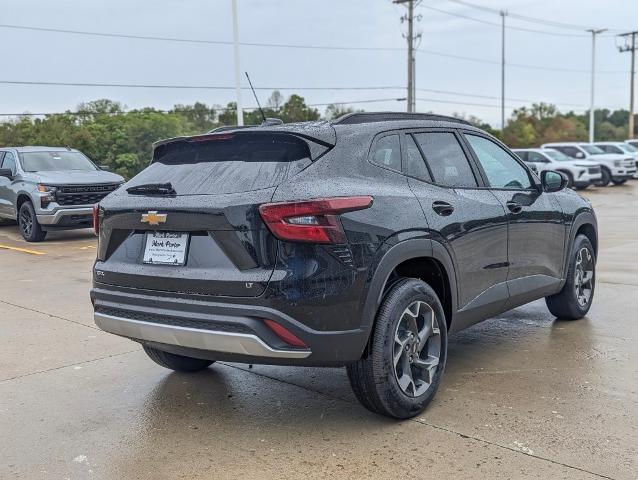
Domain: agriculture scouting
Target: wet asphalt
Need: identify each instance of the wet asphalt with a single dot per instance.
(524, 395)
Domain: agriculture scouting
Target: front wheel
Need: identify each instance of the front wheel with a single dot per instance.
(29, 227)
(605, 178)
(574, 300)
(176, 362)
(402, 370)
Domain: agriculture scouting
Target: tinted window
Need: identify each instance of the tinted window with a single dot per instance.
(556, 155)
(242, 163)
(387, 152)
(569, 151)
(446, 159)
(9, 162)
(55, 161)
(502, 170)
(609, 149)
(592, 150)
(415, 164)
(521, 154)
(537, 157)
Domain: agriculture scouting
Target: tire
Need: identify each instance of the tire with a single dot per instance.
(29, 227)
(575, 299)
(605, 177)
(618, 181)
(176, 362)
(375, 380)
(570, 178)
(582, 187)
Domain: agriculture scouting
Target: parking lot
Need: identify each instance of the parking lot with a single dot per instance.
(524, 396)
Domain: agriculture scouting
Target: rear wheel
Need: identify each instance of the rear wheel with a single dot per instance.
(176, 362)
(618, 181)
(29, 227)
(574, 300)
(402, 371)
(605, 177)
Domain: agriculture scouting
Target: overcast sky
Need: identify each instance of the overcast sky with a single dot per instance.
(57, 57)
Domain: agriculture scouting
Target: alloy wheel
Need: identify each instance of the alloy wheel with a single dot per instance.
(417, 349)
(26, 222)
(584, 276)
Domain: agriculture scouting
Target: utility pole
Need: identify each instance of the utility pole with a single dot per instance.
(240, 110)
(630, 46)
(594, 32)
(410, 37)
(503, 14)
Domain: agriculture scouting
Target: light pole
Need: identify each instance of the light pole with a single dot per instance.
(503, 14)
(240, 110)
(594, 32)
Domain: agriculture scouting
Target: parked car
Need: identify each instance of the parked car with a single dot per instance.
(622, 148)
(50, 188)
(615, 168)
(359, 242)
(580, 173)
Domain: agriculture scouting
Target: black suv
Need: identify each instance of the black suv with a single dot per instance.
(361, 242)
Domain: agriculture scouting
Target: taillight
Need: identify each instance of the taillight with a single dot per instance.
(285, 334)
(96, 219)
(313, 221)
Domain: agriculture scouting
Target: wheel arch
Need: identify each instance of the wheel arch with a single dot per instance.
(21, 200)
(584, 223)
(418, 258)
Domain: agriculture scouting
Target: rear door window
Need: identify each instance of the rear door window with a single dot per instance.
(231, 164)
(446, 159)
(415, 164)
(387, 152)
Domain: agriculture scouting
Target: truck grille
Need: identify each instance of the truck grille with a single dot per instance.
(83, 194)
(629, 163)
(594, 170)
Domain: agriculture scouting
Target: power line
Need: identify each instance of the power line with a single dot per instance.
(495, 24)
(294, 46)
(218, 109)
(526, 18)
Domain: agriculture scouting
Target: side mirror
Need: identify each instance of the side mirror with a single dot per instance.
(106, 168)
(7, 173)
(580, 155)
(553, 181)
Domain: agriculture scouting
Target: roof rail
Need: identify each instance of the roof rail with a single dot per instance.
(366, 117)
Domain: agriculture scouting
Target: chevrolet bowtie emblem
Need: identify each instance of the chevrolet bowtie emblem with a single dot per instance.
(153, 218)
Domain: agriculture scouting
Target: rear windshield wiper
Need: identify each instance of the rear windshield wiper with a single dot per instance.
(152, 189)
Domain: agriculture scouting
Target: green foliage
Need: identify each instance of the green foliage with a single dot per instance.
(122, 140)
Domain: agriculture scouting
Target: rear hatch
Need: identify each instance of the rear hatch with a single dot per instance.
(190, 222)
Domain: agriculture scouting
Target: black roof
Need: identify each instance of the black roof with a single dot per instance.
(365, 117)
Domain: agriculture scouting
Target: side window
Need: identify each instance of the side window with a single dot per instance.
(523, 156)
(502, 170)
(415, 165)
(387, 152)
(9, 162)
(609, 148)
(446, 159)
(569, 151)
(537, 158)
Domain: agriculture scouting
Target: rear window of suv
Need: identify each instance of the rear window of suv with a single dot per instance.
(231, 164)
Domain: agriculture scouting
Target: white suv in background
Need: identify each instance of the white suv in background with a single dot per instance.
(620, 147)
(615, 168)
(633, 142)
(580, 173)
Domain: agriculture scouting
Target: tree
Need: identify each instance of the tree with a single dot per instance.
(296, 110)
(336, 110)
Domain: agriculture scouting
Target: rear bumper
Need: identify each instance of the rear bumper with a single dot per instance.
(210, 340)
(217, 329)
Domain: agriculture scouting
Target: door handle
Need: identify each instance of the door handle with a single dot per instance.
(442, 208)
(514, 207)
